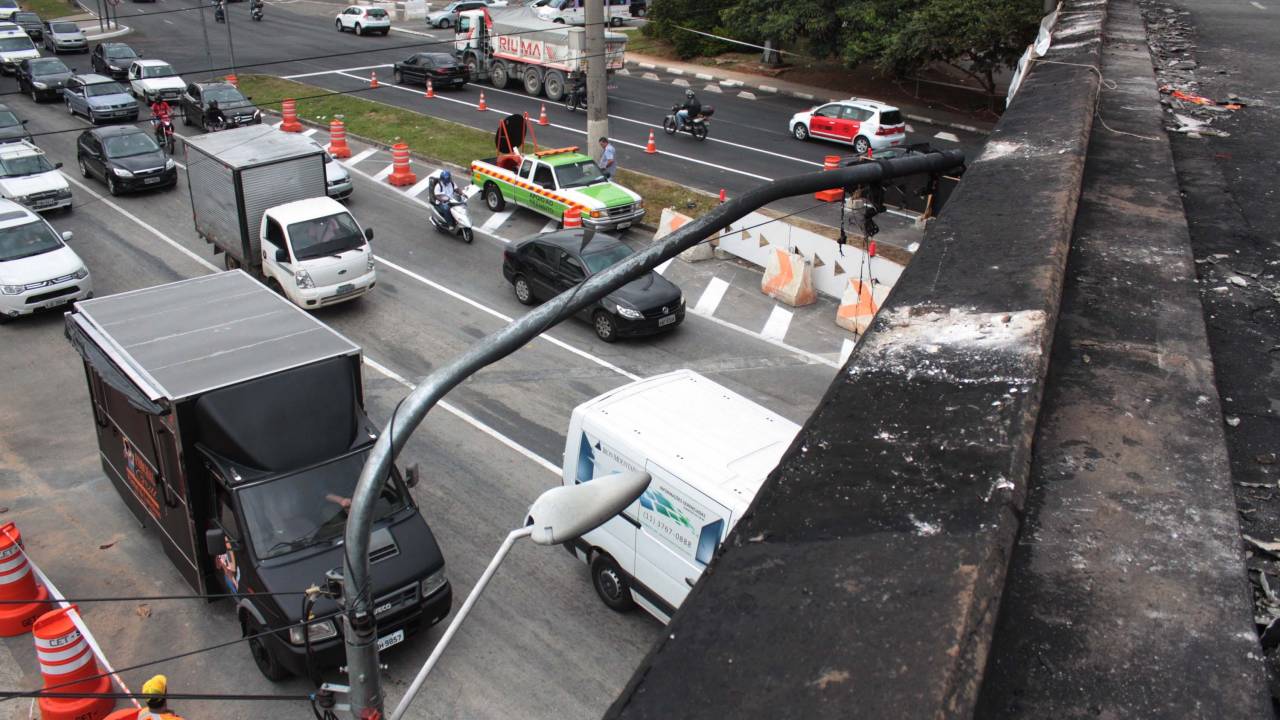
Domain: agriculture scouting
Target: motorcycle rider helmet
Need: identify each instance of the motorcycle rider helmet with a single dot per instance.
(445, 176)
(688, 92)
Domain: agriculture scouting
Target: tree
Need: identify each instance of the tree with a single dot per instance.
(811, 23)
(667, 18)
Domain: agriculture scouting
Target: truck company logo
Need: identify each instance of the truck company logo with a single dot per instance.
(141, 478)
(531, 49)
(661, 504)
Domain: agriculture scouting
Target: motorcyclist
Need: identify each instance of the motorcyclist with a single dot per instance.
(213, 117)
(578, 92)
(256, 7)
(443, 194)
(220, 11)
(690, 109)
(161, 114)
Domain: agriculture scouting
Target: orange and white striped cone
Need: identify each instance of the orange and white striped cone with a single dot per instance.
(400, 173)
(18, 582)
(542, 116)
(830, 162)
(373, 78)
(233, 81)
(572, 218)
(431, 91)
(481, 106)
(338, 147)
(289, 109)
(68, 665)
(652, 147)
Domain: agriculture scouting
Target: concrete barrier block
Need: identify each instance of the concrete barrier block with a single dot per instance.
(858, 307)
(669, 223)
(789, 277)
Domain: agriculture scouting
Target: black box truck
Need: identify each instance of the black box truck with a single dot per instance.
(233, 423)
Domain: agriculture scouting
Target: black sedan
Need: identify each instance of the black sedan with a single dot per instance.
(43, 78)
(30, 24)
(545, 266)
(126, 157)
(236, 108)
(12, 128)
(113, 59)
(443, 69)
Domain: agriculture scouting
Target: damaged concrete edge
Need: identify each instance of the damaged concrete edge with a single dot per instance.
(908, 480)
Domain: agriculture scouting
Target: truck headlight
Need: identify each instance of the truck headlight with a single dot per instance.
(121, 172)
(640, 204)
(318, 631)
(595, 213)
(433, 583)
(11, 289)
(81, 274)
(627, 312)
(303, 279)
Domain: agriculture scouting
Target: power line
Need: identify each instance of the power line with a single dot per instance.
(150, 598)
(141, 696)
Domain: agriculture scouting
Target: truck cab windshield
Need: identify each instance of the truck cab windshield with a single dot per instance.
(580, 174)
(310, 507)
(329, 235)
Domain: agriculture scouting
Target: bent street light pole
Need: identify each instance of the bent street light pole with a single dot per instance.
(361, 633)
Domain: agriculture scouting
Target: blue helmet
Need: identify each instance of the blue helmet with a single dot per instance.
(445, 176)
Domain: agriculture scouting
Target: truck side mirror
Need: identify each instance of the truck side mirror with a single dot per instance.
(412, 475)
(215, 541)
(282, 255)
(368, 234)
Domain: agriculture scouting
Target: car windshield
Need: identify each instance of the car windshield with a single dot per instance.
(157, 71)
(120, 51)
(579, 174)
(26, 18)
(223, 95)
(602, 260)
(100, 89)
(327, 235)
(306, 508)
(24, 165)
(134, 143)
(8, 4)
(33, 238)
(64, 28)
(8, 119)
(14, 44)
(48, 66)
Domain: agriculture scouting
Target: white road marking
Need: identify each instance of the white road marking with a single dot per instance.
(949, 137)
(277, 125)
(805, 354)
(362, 155)
(909, 128)
(846, 349)
(731, 83)
(704, 76)
(675, 71)
(551, 225)
(648, 66)
(767, 88)
(680, 82)
(414, 32)
(168, 21)
(309, 132)
(713, 88)
(330, 72)
(651, 76)
(1258, 5)
(777, 324)
(623, 72)
(495, 221)
(383, 173)
(711, 297)
(747, 95)
(662, 269)
(418, 187)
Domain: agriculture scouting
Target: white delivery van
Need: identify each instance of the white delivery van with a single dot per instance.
(707, 449)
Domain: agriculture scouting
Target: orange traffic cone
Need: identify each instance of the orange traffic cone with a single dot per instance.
(652, 147)
(373, 78)
(400, 173)
(338, 146)
(431, 92)
(68, 664)
(289, 108)
(830, 162)
(233, 81)
(572, 218)
(542, 116)
(482, 107)
(18, 583)
(722, 195)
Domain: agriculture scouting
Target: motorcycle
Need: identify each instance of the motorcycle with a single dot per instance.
(575, 99)
(255, 11)
(219, 14)
(164, 133)
(458, 209)
(695, 126)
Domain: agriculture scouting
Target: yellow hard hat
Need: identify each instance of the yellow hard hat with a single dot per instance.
(157, 685)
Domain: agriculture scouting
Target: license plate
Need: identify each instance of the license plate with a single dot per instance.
(345, 289)
(624, 226)
(150, 181)
(55, 303)
(666, 320)
(43, 204)
(394, 638)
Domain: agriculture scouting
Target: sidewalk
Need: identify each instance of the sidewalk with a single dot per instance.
(88, 23)
(774, 86)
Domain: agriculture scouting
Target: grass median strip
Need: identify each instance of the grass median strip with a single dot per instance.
(50, 9)
(441, 139)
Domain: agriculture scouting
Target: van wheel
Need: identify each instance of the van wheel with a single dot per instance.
(493, 197)
(611, 585)
(267, 663)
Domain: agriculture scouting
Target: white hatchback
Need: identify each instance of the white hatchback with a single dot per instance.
(363, 19)
(864, 124)
(37, 269)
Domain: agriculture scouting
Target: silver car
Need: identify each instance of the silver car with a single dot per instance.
(99, 98)
(63, 36)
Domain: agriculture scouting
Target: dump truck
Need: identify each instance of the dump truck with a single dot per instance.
(233, 425)
(260, 197)
(504, 44)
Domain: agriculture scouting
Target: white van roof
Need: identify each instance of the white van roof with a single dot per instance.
(704, 433)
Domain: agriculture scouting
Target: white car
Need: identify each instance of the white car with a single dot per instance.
(28, 178)
(864, 124)
(363, 19)
(15, 46)
(37, 269)
(152, 79)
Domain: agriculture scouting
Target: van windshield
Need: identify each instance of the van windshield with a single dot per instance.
(307, 508)
(329, 235)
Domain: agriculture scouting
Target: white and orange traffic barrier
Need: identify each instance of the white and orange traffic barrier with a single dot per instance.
(400, 173)
(18, 582)
(651, 147)
(338, 146)
(858, 306)
(830, 162)
(68, 665)
(481, 106)
(789, 277)
(373, 79)
(233, 81)
(431, 91)
(289, 109)
(542, 116)
(572, 218)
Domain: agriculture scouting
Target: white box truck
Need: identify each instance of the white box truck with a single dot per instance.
(259, 196)
(707, 449)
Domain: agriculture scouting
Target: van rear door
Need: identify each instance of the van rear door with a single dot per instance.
(680, 529)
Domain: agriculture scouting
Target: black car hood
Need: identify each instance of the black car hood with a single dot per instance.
(647, 293)
(52, 78)
(141, 162)
(236, 108)
(13, 132)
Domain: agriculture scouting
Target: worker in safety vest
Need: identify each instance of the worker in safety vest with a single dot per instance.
(157, 705)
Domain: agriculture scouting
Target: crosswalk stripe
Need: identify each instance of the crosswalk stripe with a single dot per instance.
(949, 137)
(711, 297)
(418, 187)
(383, 173)
(551, 225)
(363, 154)
(495, 221)
(662, 269)
(846, 349)
(309, 132)
(776, 326)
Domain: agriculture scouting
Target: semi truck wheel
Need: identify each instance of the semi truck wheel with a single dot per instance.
(610, 584)
(553, 84)
(533, 81)
(498, 75)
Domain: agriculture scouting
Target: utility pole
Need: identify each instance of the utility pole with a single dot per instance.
(208, 49)
(597, 80)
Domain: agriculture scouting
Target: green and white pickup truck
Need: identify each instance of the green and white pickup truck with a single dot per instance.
(552, 181)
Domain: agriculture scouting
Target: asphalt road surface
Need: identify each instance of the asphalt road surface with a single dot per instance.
(539, 644)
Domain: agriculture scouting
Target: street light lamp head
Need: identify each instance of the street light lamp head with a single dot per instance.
(564, 513)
